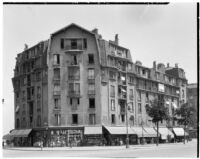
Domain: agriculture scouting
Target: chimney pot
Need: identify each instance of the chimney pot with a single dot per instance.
(116, 39)
(154, 64)
(167, 65)
(176, 65)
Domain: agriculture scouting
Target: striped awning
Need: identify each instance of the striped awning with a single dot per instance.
(119, 130)
(140, 132)
(165, 132)
(150, 131)
(179, 132)
(20, 133)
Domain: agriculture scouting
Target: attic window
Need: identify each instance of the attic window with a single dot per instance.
(62, 43)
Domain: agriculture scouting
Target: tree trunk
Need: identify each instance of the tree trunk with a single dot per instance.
(157, 140)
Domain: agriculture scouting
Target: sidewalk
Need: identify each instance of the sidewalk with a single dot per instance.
(92, 148)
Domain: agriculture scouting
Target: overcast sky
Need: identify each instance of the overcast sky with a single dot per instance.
(152, 33)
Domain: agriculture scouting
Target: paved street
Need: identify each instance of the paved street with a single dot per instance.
(163, 150)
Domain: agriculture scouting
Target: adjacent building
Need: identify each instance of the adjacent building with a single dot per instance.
(75, 87)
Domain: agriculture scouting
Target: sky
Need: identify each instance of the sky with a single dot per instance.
(161, 33)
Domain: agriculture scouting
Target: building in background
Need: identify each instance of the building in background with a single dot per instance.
(192, 101)
(74, 90)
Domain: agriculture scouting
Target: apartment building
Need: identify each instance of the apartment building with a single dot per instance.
(87, 86)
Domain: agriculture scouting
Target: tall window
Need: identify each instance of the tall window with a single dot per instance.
(18, 123)
(74, 60)
(62, 43)
(112, 75)
(122, 118)
(130, 106)
(56, 73)
(183, 93)
(74, 118)
(91, 102)
(139, 95)
(56, 59)
(112, 91)
(131, 94)
(77, 87)
(38, 90)
(113, 118)
(92, 119)
(74, 87)
(56, 102)
(38, 120)
(91, 88)
(74, 73)
(112, 104)
(56, 88)
(85, 43)
(74, 44)
(90, 58)
(57, 119)
(139, 108)
(90, 73)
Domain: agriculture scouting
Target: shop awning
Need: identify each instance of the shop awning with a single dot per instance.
(7, 137)
(179, 131)
(150, 131)
(20, 133)
(140, 132)
(93, 130)
(165, 132)
(119, 130)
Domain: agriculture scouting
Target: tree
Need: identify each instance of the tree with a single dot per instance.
(185, 112)
(158, 112)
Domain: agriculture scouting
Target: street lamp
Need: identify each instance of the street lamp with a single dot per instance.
(46, 128)
(127, 135)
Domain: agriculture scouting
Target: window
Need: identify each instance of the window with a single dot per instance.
(130, 107)
(131, 79)
(112, 75)
(147, 97)
(112, 104)
(74, 73)
(74, 118)
(91, 58)
(38, 120)
(56, 59)
(143, 72)
(183, 94)
(85, 43)
(90, 73)
(91, 102)
(56, 103)
(57, 119)
(38, 105)
(18, 123)
(23, 94)
(38, 76)
(74, 60)
(56, 87)
(122, 118)
(71, 101)
(38, 90)
(56, 73)
(131, 94)
(62, 43)
(139, 108)
(91, 88)
(139, 96)
(112, 91)
(92, 119)
(74, 44)
(113, 119)
(77, 87)
(32, 91)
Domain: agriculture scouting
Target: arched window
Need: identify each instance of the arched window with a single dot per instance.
(18, 123)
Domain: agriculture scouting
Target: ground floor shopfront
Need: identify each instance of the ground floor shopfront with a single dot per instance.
(91, 135)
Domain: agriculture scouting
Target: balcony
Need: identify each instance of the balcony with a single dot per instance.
(73, 64)
(122, 96)
(56, 78)
(74, 77)
(74, 48)
(74, 93)
(56, 92)
(91, 92)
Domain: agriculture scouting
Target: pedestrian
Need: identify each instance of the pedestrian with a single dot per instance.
(41, 145)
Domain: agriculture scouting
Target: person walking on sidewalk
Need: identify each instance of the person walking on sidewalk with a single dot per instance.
(41, 145)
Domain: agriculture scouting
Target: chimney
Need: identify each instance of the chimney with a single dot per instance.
(95, 30)
(167, 65)
(25, 46)
(154, 65)
(176, 65)
(116, 39)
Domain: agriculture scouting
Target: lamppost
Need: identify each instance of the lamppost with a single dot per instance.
(127, 135)
(142, 132)
(46, 128)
